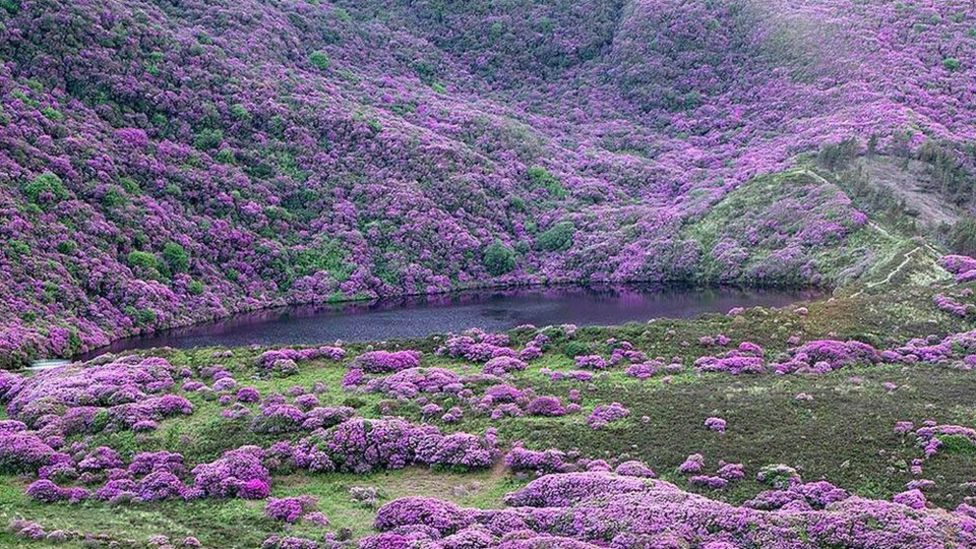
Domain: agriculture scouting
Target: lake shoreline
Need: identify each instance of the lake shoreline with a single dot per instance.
(446, 300)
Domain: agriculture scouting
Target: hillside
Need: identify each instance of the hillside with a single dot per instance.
(165, 162)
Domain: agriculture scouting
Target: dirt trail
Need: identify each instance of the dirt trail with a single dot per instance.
(887, 279)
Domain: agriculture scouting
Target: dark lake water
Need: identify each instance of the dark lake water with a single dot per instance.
(488, 309)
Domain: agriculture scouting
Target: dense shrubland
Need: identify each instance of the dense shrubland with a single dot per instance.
(166, 164)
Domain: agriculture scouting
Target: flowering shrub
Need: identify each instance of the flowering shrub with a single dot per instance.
(732, 362)
(631, 510)
(644, 370)
(964, 267)
(289, 509)
(443, 517)
(269, 358)
(591, 362)
(361, 445)
(410, 382)
(711, 482)
(692, 464)
(478, 346)
(239, 473)
(22, 452)
(952, 306)
(545, 406)
(387, 361)
(502, 365)
(634, 468)
(605, 414)
(716, 424)
(522, 459)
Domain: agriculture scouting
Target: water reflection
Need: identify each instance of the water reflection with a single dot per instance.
(418, 316)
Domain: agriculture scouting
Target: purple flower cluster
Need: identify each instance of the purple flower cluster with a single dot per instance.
(290, 510)
(604, 414)
(716, 424)
(479, 346)
(502, 365)
(952, 306)
(644, 370)
(588, 509)
(624, 351)
(963, 267)
(410, 382)
(546, 405)
(363, 445)
(268, 359)
(539, 462)
(822, 356)
(592, 362)
(377, 362)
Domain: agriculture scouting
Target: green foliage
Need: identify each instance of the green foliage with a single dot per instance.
(328, 256)
(837, 155)
(577, 348)
(195, 287)
(948, 172)
(18, 249)
(498, 259)
(47, 182)
(951, 64)
(957, 444)
(320, 60)
(540, 177)
(240, 112)
(208, 138)
(130, 185)
(145, 317)
(425, 71)
(176, 257)
(558, 238)
(67, 246)
(142, 260)
(52, 114)
(114, 198)
(962, 237)
(516, 204)
(12, 7)
(225, 156)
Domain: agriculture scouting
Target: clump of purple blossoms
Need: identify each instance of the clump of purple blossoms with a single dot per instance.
(604, 414)
(289, 509)
(716, 424)
(545, 406)
(592, 362)
(377, 362)
(502, 365)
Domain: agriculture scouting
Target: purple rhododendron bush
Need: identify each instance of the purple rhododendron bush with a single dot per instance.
(169, 163)
(167, 166)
